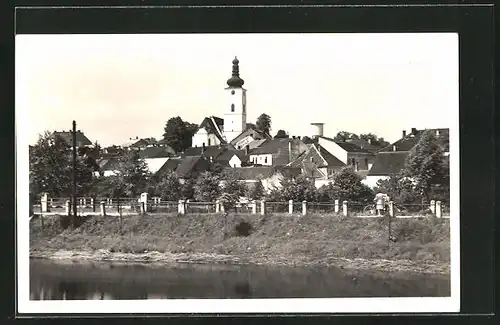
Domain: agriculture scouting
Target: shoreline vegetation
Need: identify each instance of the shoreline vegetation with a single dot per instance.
(419, 245)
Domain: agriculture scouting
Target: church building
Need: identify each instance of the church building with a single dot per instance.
(217, 131)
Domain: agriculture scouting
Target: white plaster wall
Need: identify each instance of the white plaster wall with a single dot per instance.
(261, 159)
(235, 122)
(334, 149)
(203, 137)
(154, 164)
(235, 161)
(320, 182)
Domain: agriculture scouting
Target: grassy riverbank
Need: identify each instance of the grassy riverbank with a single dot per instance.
(420, 245)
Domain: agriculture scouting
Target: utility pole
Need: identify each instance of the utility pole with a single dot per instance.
(74, 175)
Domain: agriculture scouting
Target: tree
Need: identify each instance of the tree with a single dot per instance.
(187, 189)
(307, 140)
(231, 184)
(178, 133)
(256, 192)
(375, 140)
(169, 187)
(344, 136)
(132, 178)
(400, 189)
(263, 123)
(207, 188)
(427, 165)
(297, 189)
(281, 134)
(51, 168)
(347, 185)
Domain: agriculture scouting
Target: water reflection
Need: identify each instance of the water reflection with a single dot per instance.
(102, 281)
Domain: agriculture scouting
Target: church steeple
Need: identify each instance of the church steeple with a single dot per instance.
(235, 80)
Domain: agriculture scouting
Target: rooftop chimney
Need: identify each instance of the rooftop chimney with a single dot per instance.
(393, 147)
(414, 130)
(404, 133)
(298, 137)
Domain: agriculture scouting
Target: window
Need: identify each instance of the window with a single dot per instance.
(208, 141)
(232, 107)
(232, 92)
(265, 160)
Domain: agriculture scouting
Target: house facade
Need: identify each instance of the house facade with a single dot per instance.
(271, 177)
(277, 152)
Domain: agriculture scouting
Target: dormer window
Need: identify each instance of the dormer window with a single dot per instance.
(232, 107)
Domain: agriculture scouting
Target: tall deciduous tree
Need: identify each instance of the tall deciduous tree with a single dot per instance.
(169, 187)
(344, 136)
(375, 140)
(347, 185)
(51, 169)
(178, 133)
(207, 188)
(426, 164)
(132, 177)
(263, 123)
(281, 134)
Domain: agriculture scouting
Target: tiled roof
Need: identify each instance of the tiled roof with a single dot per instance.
(170, 165)
(388, 163)
(250, 130)
(255, 173)
(351, 147)
(410, 140)
(228, 154)
(135, 143)
(208, 123)
(108, 164)
(189, 164)
(156, 152)
(271, 147)
(67, 136)
(331, 160)
(365, 145)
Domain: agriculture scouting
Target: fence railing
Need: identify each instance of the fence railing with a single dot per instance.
(143, 205)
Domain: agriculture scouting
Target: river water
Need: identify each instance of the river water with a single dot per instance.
(105, 280)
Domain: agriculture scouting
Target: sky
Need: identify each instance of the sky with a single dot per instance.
(122, 86)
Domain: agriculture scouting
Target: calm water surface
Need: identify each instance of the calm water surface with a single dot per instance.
(83, 281)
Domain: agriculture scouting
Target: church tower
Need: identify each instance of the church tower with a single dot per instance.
(235, 115)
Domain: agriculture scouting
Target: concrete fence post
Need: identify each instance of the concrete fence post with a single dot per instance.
(336, 206)
(432, 206)
(391, 209)
(438, 209)
(290, 206)
(304, 207)
(254, 207)
(217, 206)
(263, 207)
(44, 202)
(344, 208)
(144, 200)
(68, 207)
(182, 207)
(103, 208)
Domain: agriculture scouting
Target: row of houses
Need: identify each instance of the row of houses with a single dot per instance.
(270, 160)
